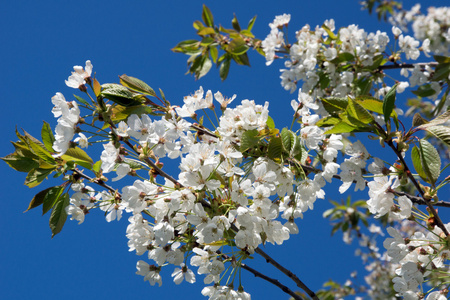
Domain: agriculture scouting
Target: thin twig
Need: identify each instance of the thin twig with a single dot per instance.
(407, 66)
(421, 201)
(94, 180)
(291, 275)
(439, 222)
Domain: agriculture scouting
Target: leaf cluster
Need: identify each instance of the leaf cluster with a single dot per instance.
(235, 42)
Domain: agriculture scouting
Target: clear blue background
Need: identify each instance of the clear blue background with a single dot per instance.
(42, 41)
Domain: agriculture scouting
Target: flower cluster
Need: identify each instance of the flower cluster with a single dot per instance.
(245, 183)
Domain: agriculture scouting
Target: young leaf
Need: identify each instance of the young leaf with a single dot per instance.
(441, 132)
(431, 161)
(418, 120)
(97, 88)
(51, 198)
(249, 139)
(96, 167)
(20, 163)
(38, 199)
(40, 150)
(424, 91)
(334, 104)
(270, 122)
(288, 139)
(119, 94)
(214, 53)
(81, 100)
(205, 67)
(136, 85)
(59, 215)
(36, 176)
(47, 136)
(224, 68)
(441, 119)
(251, 23)
(358, 112)
(275, 149)
(207, 16)
(341, 127)
(389, 103)
(78, 156)
(237, 46)
(235, 24)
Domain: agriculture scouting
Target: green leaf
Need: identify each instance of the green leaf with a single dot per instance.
(334, 104)
(59, 215)
(78, 156)
(442, 102)
(214, 54)
(441, 132)
(373, 104)
(207, 16)
(189, 47)
(119, 94)
(358, 112)
(389, 103)
(235, 24)
(51, 198)
(328, 121)
(442, 59)
(81, 100)
(324, 80)
(335, 228)
(330, 33)
(20, 163)
(417, 162)
(424, 91)
(418, 120)
(205, 67)
(96, 167)
(205, 31)
(241, 59)
(249, 139)
(251, 23)
(47, 137)
(136, 85)
(441, 72)
(441, 119)
(237, 46)
(288, 139)
(298, 151)
(38, 199)
(344, 57)
(275, 149)
(198, 25)
(341, 127)
(206, 41)
(270, 123)
(120, 113)
(40, 150)
(224, 68)
(36, 176)
(431, 161)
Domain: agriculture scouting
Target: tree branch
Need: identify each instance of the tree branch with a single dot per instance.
(273, 281)
(407, 66)
(291, 275)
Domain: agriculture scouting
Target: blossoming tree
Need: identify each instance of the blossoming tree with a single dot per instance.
(243, 182)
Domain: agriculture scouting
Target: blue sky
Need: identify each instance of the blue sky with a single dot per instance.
(42, 41)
